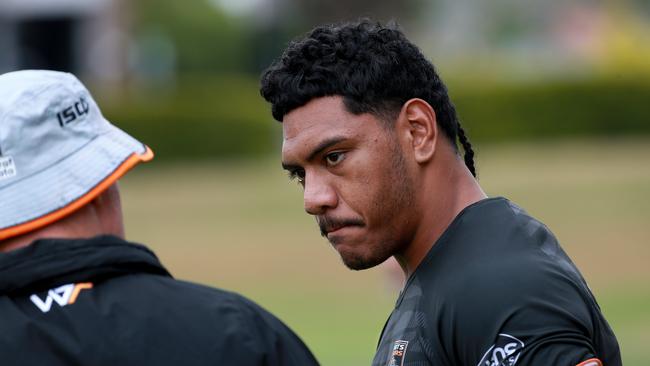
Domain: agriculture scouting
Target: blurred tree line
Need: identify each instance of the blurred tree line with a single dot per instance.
(194, 90)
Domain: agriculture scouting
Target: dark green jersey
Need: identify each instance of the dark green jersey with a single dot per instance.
(496, 289)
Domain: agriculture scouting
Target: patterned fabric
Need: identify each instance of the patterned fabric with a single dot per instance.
(496, 289)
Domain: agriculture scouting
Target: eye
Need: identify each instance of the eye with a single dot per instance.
(334, 158)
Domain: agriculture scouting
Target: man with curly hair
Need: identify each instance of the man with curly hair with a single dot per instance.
(370, 133)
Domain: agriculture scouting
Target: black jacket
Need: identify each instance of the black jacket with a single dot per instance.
(104, 301)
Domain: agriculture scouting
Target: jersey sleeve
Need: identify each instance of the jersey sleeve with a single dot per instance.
(519, 315)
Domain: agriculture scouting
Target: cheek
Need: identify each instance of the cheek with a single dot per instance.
(373, 185)
(392, 196)
(372, 196)
(360, 190)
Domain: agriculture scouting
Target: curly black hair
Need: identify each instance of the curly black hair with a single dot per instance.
(373, 67)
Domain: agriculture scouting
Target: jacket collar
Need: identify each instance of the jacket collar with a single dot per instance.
(50, 262)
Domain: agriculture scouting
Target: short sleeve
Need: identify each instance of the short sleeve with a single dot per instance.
(519, 315)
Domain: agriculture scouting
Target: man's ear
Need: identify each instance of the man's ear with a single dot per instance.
(417, 121)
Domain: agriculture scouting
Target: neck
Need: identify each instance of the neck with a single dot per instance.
(27, 239)
(89, 221)
(446, 191)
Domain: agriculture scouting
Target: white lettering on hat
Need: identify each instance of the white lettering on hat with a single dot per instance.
(7, 167)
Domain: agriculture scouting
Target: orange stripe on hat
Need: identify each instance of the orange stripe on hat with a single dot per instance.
(73, 206)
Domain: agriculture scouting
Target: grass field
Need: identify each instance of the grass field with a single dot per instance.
(240, 225)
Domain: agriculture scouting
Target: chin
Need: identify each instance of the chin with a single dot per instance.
(358, 262)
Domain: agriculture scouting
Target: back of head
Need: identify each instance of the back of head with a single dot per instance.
(373, 67)
(57, 152)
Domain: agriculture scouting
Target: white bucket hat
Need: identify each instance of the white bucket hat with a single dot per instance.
(57, 152)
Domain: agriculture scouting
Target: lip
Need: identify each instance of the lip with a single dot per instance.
(335, 229)
(330, 226)
(338, 230)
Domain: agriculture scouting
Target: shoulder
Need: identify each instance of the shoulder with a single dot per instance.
(505, 278)
(210, 318)
(514, 266)
(497, 249)
(169, 294)
(153, 288)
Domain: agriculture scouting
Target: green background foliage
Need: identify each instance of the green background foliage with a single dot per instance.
(205, 39)
(207, 117)
(224, 116)
(592, 107)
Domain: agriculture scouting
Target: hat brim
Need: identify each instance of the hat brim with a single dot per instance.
(64, 187)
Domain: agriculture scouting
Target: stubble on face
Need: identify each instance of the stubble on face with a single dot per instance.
(391, 205)
(369, 196)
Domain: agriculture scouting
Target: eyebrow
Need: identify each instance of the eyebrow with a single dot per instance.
(317, 150)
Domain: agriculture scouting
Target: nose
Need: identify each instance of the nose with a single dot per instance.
(318, 196)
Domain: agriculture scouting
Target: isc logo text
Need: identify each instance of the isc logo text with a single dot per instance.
(73, 112)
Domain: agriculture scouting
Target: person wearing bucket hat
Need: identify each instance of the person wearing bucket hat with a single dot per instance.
(72, 289)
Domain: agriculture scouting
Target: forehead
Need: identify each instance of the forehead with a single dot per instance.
(322, 119)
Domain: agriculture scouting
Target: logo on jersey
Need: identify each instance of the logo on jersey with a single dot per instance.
(505, 352)
(397, 355)
(62, 295)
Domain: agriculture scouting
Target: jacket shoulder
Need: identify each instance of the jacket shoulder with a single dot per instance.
(233, 328)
